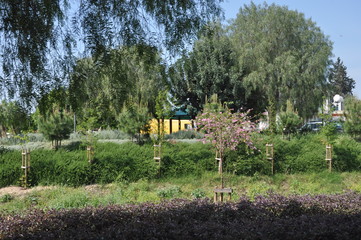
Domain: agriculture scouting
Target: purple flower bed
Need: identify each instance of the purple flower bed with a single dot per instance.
(270, 217)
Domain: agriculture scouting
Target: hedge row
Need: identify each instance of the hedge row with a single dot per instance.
(112, 162)
(270, 217)
(131, 162)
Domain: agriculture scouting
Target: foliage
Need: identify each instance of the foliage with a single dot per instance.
(226, 130)
(329, 131)
(6, 198)
(284, 56)
(13, 118)
(111, 134)
(289, 120)
(214, 105)
(112, 162)
(170, 192)
(56, 126)
(163, 110)
(353, 112)
(131, 162)
(198, 193)
(134, 119)
(40, 38)
(185, 134)
(308, 217)
(340, 83)
(210, 68)
(131, 75)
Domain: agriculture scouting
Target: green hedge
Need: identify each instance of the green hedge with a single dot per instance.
(131, 162)
(112, 162)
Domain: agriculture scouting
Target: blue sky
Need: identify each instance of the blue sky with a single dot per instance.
(339, 20)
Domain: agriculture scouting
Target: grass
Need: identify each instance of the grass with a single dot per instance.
(184, 187)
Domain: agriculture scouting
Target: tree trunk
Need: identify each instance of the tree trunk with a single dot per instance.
(272, 112)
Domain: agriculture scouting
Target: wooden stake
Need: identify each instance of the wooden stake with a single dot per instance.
(25, 164)
(158, 154)
(329, 156)
(270, 155)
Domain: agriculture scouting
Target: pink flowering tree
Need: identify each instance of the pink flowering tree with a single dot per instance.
(226, 131)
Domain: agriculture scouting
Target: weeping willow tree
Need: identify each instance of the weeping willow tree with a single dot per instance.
(283, 55)
(40, 39)
(98, 92)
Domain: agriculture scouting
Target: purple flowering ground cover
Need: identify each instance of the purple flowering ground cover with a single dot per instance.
(266, 217)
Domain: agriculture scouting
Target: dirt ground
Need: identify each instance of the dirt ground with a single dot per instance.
(19, 191)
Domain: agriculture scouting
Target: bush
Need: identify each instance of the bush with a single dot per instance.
(184, 158)
(185, 134)
(131, 162)
(111, 134)
(169, 192)
(273, 217)
(112, 162)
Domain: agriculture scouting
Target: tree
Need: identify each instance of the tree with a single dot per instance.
(340, 83)
(352, 124)
(210, 68)
(283, 56)
(55, 126)
(226, 130)
(99, 91)
(13, 118)
(134, 119)
(163, 110)
(39, 38)
(207, 70)
(289, 120)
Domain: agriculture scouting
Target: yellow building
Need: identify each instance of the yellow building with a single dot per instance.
(171, 125)
(180, 121)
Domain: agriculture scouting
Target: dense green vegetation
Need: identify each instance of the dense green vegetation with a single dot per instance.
(189, 186)
(131, 162)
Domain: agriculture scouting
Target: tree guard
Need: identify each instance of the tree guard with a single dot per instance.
(329, 156)
(25, 164)
(158, 154)
(90, 154)
(270, 155)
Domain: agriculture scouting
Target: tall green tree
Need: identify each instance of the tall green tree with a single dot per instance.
(13, 118)
(134, 118)
(340, 83)
(163, 110)
(353, 112)
(132, 73)
(289, 120)
(56, 126)
(39, 38)
(210, 68)
(283, 55)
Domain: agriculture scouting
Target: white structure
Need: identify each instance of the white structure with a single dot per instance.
(338, 113)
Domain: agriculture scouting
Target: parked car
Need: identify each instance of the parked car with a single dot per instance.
(312, 126)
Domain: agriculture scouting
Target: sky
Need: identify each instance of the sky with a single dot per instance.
(339, 20)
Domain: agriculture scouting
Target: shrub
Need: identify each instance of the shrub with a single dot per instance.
(198, 193)
(184, 158)
(273, 217)
(6, 198)
(111, 134)
(185, 134)
(131, 162)
(169, 192)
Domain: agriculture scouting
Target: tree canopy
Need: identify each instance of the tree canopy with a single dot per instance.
(283, 55)
(39, 38)
(210, 68)
(134, 73)
(340, 83)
